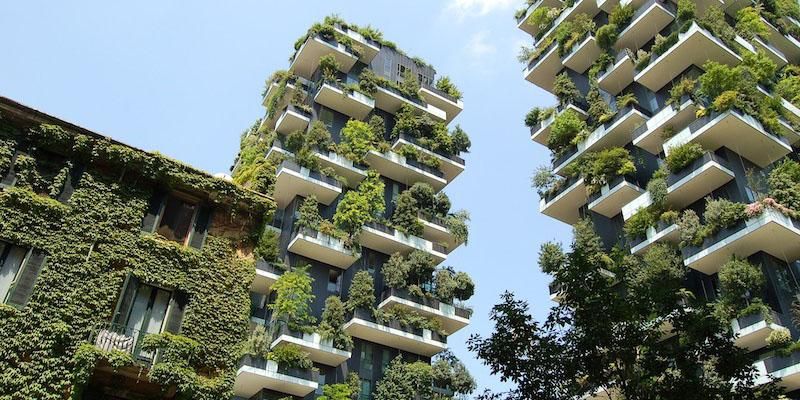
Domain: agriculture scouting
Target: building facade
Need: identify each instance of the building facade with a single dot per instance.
(355, 149)
(677, 123)
(314, 271)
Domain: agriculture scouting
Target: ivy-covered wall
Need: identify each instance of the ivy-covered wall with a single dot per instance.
(93, 241)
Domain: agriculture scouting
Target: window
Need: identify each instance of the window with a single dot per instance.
(176, 219)
(366, 360)
(19, 268)
(334, 281)
(386, 358)
(366, 390)
(401, 69)
(387, 65)
(320, 383)
(423, 79)
(326, 116)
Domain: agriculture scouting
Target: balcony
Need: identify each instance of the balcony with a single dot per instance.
(771, 232)
(354, 104)
(751, 331)
(588, 7)
(405, 170)
(616, 132)
(443, 101)
(772, 52)
(582, 55)
(306, 59)
(292, 119)
(368, 48)
(451, 165)
(387, 240)
(650, 17)
(618, 75)
(436, 231)
(323, 248)
(614, 195)
(786, 369)
(266, 276)
(736, 131)
(523, 21)
(256, 374)
(563, 203)
(107, 336)
(661, 233)
(363, 325)
(452, 318)
(542, 70)
(391, 100)
(294, 84)
(320, 350)
(650, 136)
(694, 47)
(540, 133)
(292, 180)
(692, 183)
(354, 173)
(788, 45)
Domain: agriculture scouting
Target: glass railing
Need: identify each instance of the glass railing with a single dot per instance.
(416, 142)
(414, 163)
(755, 318)
(440, 92)
(659, 227)
(325, 239)
(316, 175)
(668, 112)
(298, 110)
(701, 122)
(432, 219)
(619, 57)
(367, 315)
(778, 362)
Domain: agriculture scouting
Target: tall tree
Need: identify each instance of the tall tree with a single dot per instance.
(624, 327)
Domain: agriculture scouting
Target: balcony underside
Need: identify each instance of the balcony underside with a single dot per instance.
(311, 343)
(367, 50)
(652, 140)
(392, 337)
(644, 28)
(583, 56)
(754, 337)
(291, 121)
(694, 47)
(742, 134)
(612, 199)
(263, 281)
(323, 248)
(355, 104)
(250, 380)
(543, 72)
(698, 184)
(451, 107)
(450, 168)
(289, 183)
(619, 77)
(771, 232)
(307, 58)
(396, 167)
(450, 323)
(773, 53)
(788, 45)
(564, 207)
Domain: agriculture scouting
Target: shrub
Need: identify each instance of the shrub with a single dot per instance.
(331, 326)
(309, 216)
(740, 282)
(749, 24)
(714, 21)
(360, 206)
(565, 128)
(636, 226)
(657, 187)
(669, 217)
(789, 88)
(681, 156)
(570, 33)
(329, 67)
(692, 232)
(725, 101)
(686, 10)
(565, 90)
(606, 36)
(291, 356)
(621, 15)
(357, 139)
(446, 85)
(457, 225)
(292, 304)
(723, 213)
(779, 338)
(395, 271)
(626, 100)
(784, 184)
(599, 111)
(544, 180)
(685, 87)
(758, 66)
(542, 17)
(597, 168)
(361, 293)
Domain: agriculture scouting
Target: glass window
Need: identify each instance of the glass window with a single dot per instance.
(326, 116)
(147, 313)
(366, 360)
(321, 383)
(11, 259)
(366, 390)
(176, 219)
(334, 280)
(387, 65)
(386, 358)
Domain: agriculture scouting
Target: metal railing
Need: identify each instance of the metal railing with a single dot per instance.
(109, 336)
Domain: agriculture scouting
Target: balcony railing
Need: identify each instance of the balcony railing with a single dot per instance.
(563, 187)
(316, 175)
(366, 315)
(260, 363)
(417, 242)
(694, 166)
(425, 301)
(108, 336)
(415, 141)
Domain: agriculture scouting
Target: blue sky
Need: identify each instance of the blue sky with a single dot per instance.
(186, 81)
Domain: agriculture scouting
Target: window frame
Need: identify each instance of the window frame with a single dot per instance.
(188, 199)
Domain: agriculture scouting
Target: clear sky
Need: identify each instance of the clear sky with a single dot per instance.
(185, 78)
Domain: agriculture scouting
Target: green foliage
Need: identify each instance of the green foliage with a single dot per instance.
(722, 213)
(636, 226)
(95, 238)
(599, 110)
(449, 372)
(691, 230)
(457, 225)
(331, 326)
(360, 206)
(681, 156)
(408, 318)
(598, 168)
(267, 245)
(410, 85)
(358, 139)
(293, 301)
(362, 292)
(621, 15)
(446, 85)
(329, 67)
(309, 216)
(684, 87)
(543, 17)
(536, 115)
(725, 101)
(403, 380)
(570, 32)
(291, 356)
(565, 128)
(259, 343)
(430, 134)
(749, 23)
(405, 217)
(714, 21)
(784, 184)
(686, 10)
(657, 187)
(788, 86)
(740, 282)
(625, 100)
(565, 90)
(657, 277)
(759, 67)
(607, 36)
(395, 271)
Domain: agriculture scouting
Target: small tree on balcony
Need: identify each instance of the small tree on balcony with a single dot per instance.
(332, 322)
(565, 90)
(360, 206)
(293, 302)
(362, 292)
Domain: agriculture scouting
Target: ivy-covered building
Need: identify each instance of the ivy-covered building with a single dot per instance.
(676, 127)
(123, 274)
(352, 296)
